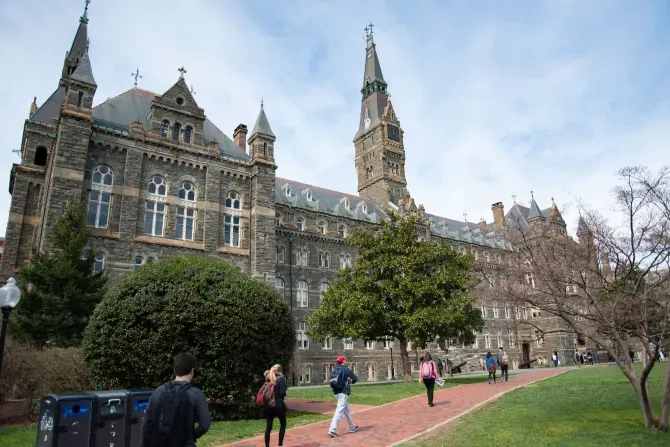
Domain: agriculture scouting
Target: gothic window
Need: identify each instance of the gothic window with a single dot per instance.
(496, 312)
(321, 226)
(279, 286)
(483, 310)
(475, 345)
(176, 130)
(303, 294)
(186, 214)
(99, 263)
(341, 231)
(301, 257)
(40, 156)
(328, 344)
(388, 342)
(280, 255)
(348, 343)
(155, 207)
(508, 312)
(233, 200)
(277, 220)
(499, 337)
(324, 287)
(300, 223)
(165, 126)
(487, 339)
(187, 135)
(320, 259)
(100, 197)
(326, 260)
(510, 337)
(302, 338)
(231, 231)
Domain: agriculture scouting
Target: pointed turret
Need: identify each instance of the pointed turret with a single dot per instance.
(374, 92)
(262, 125)
(555, 215)
(535, 212)
(84, 72)
(582, 228)
(79, 45)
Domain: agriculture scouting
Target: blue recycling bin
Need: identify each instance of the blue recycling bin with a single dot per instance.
(66, 420)
(136, 406)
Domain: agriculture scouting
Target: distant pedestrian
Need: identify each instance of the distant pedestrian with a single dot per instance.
(589, 358)
(427, 375)
(581, 358)
(554, 358)
(481, 363)
(340, 381)
(504, 365)
(491, 367)
(577, 359)
(275, 377)
(174, 408)
(440, 367)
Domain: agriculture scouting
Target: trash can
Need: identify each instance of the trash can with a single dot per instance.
(110, 417)
(137, 404)
(66, 420)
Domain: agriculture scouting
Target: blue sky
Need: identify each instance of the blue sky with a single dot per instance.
(496, 98)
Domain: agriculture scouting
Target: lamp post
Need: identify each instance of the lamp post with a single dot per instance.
(9, 298)
(392, 368)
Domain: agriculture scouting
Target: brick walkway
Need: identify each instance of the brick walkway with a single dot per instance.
(390, 424)
(319, 406)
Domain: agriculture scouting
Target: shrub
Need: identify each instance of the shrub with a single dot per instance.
(236, 326)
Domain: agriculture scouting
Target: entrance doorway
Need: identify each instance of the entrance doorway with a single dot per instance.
(525, 348)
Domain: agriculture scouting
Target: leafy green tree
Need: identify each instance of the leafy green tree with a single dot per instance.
(236, 326)
(401, 288)
(60, 286)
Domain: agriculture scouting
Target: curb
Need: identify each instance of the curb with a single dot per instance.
(470, 410)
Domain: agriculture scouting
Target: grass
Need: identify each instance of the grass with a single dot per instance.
(589, 406)
(378, 394)
(219, 433)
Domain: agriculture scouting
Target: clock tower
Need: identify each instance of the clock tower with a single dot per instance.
(379, 150)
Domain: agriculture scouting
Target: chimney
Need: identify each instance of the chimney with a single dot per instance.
(240, 137)
(498, 215)
(482, 225)
(33, 107)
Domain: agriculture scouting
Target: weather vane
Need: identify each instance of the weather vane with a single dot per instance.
(136, 75)
(465, 216)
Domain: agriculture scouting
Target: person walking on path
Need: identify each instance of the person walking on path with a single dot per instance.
(504, 365)
(491, 367)
(577, 359)
(554, 358)
(174, 408)
(427, 375)
(275, 377)
(341, 380)
(439, 367)
(481, 363)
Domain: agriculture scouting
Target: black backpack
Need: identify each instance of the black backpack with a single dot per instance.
(169, 418)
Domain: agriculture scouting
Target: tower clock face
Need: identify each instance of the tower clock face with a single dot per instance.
(393, 132)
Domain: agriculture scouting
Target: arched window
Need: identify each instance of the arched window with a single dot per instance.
(326, 260)
(342, 231)
(99, 263)
(499, 337)
(154, 216)
(186, 214)
(303, 294)
(496, 312)
(40, 156)
(280, 255)
(321, 226)
(176, 131)
(487, 338)
(277, 220)
(138, 262)
(233, 200)
(324, 287)
(300, 223)
(165, 126)
(187, 135)
(100, 197)
(347, 260)
(320, 259)
(279, 286)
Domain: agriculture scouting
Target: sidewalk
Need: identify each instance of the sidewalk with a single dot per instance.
(397, 422)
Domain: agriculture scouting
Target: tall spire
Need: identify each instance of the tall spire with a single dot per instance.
(535, 212)
(373, 79)
(582, 227)
(262, 125)
(79, 45)
(84, 72)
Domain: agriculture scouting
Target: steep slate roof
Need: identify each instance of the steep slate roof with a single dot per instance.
(581, 226)
(534, 210)
(262, 125)
(84, 72)
(48, 111)
(468, 232)
(135, 104)
(314, 198)
(373, 69)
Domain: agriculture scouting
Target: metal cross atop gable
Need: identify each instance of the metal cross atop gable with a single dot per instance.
(182, 71)
(136, 75)
(370, 25)
(514, 197)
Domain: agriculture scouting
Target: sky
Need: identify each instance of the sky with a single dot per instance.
(495, 98)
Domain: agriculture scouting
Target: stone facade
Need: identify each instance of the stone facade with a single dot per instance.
(162, 180)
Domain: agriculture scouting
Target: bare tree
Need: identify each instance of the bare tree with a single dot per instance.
(611, 286)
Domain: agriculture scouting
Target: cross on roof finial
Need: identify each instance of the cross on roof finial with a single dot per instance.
(181, 70)
(192, 90)
(465, 216)
(514, 197)
(367, 31)
(136, 75)
(84, 18)
(370, 25)
(532, 196)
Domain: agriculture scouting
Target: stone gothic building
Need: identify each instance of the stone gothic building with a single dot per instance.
(161, 179)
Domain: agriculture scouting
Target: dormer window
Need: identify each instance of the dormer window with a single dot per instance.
(187, 134)
(165, 126)
(176, 131)
(321, 226)
(346, 203)
(287, 190)
(308, 194)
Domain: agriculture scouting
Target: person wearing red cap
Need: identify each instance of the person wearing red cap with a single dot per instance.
(340, 381)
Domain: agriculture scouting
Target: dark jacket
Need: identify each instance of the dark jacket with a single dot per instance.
(280, 390)
(490, 361)
(349, 378)
(198, 411)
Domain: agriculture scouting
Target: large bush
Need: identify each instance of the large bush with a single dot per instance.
(236, 326)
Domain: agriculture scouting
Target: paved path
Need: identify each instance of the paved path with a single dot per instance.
(393, 423)
(319, 406)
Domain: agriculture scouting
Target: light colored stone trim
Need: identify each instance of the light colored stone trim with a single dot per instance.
(233, 250)
(104, 232)
(264, 211)
(69, 174)
(15, 218)
(171, 242)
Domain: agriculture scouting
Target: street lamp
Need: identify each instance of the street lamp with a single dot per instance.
(9, 298)
(392, 368)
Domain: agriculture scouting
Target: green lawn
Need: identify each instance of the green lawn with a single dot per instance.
(219, 433)
(378, 394)
(589, 406)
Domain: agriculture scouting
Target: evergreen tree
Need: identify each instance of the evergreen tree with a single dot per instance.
(60, 286)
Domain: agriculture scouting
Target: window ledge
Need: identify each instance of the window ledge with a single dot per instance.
(170, 242)
(104, 232)
(233, 250)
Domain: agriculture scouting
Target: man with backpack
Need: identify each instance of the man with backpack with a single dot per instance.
(341, 379)
(174, 408)
(503, 362)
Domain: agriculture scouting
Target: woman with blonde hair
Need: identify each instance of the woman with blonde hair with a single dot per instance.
(275, 377)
